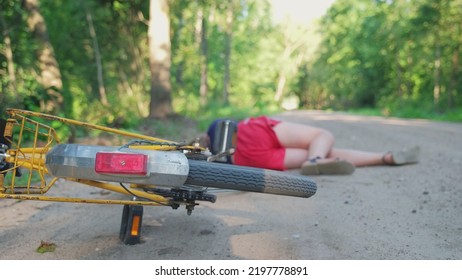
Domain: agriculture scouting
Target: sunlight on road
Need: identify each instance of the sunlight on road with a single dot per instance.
(249, 246)
(345, 117)
(235, 221)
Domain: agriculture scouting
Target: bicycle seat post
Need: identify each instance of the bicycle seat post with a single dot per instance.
(225, 135)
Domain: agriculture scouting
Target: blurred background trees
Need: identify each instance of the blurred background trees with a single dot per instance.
(112, 62)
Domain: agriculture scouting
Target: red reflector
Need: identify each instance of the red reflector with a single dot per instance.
(120, 163)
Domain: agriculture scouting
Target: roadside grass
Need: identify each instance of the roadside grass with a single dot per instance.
(180, 128)
(454, 115)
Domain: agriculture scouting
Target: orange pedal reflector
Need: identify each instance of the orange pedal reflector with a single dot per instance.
(135, 231)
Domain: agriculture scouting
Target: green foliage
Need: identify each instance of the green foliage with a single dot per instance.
(454, 115)
(400, 58)
(215, 111)
(254, 49)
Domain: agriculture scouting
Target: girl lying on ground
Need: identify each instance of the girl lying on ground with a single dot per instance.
(269, 143)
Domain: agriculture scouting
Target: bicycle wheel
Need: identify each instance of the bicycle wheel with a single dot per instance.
(227, 176)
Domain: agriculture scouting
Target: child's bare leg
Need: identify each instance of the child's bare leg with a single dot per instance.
(318, 142)
(360, 158)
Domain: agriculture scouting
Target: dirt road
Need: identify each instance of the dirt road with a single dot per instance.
(409, 212)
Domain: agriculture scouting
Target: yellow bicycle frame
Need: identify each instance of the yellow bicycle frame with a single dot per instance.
(32, 159)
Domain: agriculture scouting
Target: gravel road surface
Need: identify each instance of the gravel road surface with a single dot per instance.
(385, 213)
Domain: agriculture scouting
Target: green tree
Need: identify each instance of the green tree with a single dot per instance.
(159, 59)
(50, 74)
(388, 54)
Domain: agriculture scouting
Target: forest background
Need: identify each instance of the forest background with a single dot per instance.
(120, 63)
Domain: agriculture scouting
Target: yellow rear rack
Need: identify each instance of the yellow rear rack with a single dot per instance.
(30, 140)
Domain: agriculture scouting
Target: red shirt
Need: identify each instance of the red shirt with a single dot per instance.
(257, 144)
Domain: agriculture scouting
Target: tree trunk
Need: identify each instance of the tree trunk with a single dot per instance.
(159, 59)
(280, 87)
(227, 59)
(178, 75)
(290, 47)
(9, 57)
(454, 79)
(50, 75)
(282, 73)
(203, 59)
(399, 75)
(99, 66)
(437, 74)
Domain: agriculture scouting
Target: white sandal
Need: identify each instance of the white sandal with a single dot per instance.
(405, 156)
(335, 167)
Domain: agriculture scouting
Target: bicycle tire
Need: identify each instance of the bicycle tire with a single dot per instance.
(250, 179)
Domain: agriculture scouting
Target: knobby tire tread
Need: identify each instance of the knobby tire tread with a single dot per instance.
(227, 176)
